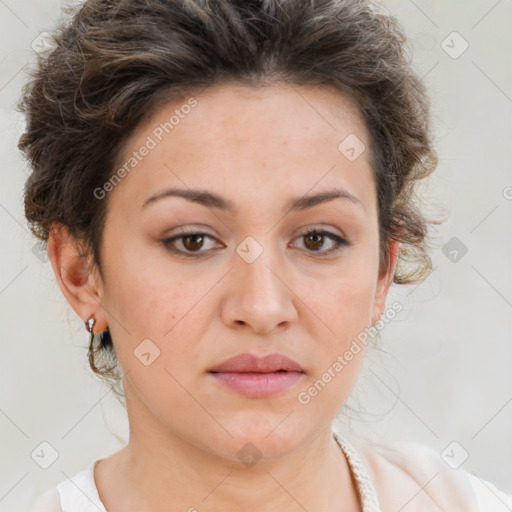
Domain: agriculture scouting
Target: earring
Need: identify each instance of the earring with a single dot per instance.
(89, 324)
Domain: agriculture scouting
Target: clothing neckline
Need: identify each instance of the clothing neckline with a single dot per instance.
(365, 488)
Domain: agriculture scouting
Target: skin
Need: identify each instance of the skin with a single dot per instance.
(257, 148)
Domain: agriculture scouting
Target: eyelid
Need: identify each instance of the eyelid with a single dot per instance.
(320, 228)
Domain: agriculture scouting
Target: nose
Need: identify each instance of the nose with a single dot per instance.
(260, 298)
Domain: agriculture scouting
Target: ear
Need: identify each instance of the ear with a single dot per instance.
(78, 279)
(384, 281)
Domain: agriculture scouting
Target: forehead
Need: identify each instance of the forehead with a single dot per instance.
(278, 114)
(255, 142)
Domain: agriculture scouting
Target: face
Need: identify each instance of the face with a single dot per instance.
(192, 282)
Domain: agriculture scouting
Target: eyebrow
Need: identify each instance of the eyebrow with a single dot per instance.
(213, 200)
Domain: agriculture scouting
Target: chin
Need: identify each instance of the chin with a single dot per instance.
(261, 439)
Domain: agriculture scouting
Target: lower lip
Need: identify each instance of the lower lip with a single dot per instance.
(259, 385)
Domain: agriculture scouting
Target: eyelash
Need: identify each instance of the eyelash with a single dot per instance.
(341, 243)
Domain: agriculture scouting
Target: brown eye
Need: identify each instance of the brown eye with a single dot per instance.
(187, 243)
(193, 242)
(315, 239)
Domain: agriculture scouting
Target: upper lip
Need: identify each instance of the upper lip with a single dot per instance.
(263, 364)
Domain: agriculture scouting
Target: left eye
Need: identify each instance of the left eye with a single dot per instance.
(193, 241)
(315, 239)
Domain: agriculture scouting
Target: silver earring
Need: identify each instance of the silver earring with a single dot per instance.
(89, 324)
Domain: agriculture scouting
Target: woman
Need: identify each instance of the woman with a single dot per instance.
(226, 192)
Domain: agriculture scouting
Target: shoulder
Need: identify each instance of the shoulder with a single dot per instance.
(412, 476)
(48, 501)
(75, 494)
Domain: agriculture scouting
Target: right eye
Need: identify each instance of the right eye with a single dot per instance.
(191, 241)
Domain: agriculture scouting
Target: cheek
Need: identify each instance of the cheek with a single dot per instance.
(174, 314)
(346, 310)
(149, 299)
(162, 344)
(344, 301)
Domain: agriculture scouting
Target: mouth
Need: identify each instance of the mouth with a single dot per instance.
(249, 363)
(258, 377)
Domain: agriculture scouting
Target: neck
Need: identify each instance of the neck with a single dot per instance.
(159, 470)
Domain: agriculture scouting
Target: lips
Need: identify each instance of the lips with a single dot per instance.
(258, 377)
(246, 363)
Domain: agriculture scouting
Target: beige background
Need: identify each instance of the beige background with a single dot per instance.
(444, 372)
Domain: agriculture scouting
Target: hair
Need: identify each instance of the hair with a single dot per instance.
(114, 62)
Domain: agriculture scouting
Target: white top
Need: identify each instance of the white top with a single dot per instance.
(80, 494)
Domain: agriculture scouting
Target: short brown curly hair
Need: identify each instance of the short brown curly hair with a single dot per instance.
(115, 61)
